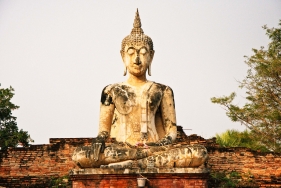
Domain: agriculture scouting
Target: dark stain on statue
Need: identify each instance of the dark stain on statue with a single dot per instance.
(161, 86)
(173, 97)
(106, 99)
(121, 153)
(155, 100)
(139, 154)
(125, 92)
(164, 87)
(169, 122)
(114, 119)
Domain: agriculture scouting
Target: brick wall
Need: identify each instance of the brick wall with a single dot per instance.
(263, 169)
(38, 164)
(130, 181)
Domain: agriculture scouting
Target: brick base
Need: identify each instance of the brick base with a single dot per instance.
(130, 180)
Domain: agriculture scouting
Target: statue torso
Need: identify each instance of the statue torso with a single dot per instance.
(137, 115)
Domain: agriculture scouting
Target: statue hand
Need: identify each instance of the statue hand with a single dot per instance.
(164, 141)
(98, 144)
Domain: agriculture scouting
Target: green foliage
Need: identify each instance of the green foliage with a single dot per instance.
(60, 182)
(234, 138)
(230, 138)
(221, 179)
(10, 136)
(262, 112)
(229, 179)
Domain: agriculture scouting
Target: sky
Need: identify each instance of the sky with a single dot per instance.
(59, 55)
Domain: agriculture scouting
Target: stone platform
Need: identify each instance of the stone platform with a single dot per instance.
(127, 178)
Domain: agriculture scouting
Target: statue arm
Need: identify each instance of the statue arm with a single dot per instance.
(105, 121)
(169, 114)
(106, 112)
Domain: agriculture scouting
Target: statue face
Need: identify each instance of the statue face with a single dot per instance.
(137, 59)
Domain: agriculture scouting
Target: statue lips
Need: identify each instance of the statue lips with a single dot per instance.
(138, 66)
(137, 69)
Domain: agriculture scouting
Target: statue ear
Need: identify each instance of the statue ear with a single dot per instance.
(125, 71)
(149, 69)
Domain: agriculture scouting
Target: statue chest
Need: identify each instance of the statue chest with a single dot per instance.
(128, 99)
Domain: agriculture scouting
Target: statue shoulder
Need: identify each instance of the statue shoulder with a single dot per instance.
(107, 89)
(106, 98)
(108, 93)
(163, 87)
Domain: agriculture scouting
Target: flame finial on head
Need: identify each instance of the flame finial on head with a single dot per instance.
(137, 21)
(137, 30)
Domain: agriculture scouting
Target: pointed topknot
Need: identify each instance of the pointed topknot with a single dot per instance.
(137, 30)
(137, 21)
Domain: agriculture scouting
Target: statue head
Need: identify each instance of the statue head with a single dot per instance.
(137, 50)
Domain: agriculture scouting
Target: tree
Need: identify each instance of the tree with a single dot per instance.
(262, 111)
(10, 136)
(234, 138)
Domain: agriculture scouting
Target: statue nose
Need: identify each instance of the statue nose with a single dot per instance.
(137, 60)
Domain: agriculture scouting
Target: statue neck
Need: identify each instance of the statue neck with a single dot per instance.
(137, 80)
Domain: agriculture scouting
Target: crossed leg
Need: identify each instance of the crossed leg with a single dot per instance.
(161, 156)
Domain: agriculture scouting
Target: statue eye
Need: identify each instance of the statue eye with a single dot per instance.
(143, 51)
(131, 51)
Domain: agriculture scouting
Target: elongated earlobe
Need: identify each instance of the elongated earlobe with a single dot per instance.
(149, 70)
(125, 71)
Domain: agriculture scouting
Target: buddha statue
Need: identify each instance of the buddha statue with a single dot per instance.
(137, 122)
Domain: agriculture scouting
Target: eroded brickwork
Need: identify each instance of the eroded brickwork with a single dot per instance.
(38, 164)
(251, 166)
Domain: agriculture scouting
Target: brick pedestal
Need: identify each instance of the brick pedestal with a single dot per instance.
(127, 178)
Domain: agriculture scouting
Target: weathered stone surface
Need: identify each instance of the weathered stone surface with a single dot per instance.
(173, 155)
